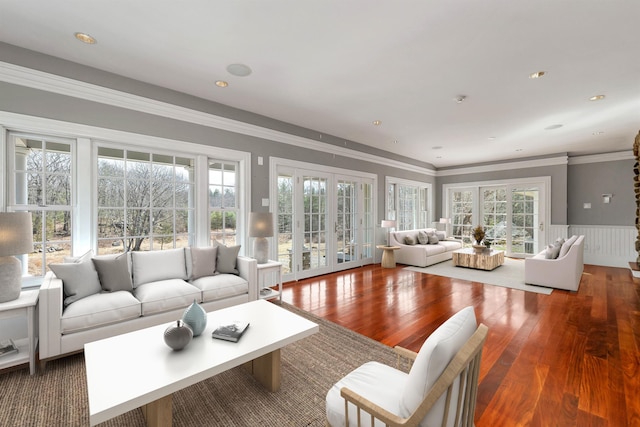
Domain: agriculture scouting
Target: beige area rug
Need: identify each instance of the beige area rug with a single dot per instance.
(58, 397)
(508, 275)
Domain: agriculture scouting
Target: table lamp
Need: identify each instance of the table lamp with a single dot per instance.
(261, 227)
(388, 223)
(16, 238)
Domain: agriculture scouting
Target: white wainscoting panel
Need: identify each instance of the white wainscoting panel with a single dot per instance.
(607, 245)
(556, 231)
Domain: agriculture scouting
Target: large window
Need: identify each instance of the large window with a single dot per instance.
(145, 200)
(223, 201)
(41, 183)
(408, 203)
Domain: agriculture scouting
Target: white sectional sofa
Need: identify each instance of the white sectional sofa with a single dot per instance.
(557, 267)
(422, 255)
(99, 297)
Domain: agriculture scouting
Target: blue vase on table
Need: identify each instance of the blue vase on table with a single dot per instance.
(196, 318)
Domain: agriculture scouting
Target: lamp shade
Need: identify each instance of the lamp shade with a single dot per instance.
(16, 233)
(388, 223)
(260, 224)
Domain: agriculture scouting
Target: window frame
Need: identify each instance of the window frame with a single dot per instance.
(84, 209)
(11, 171)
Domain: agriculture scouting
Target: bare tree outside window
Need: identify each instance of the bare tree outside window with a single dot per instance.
(145, 201)
(42, 184)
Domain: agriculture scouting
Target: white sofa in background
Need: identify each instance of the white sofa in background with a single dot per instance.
(422, 255)
(563, 272)
(114, 295)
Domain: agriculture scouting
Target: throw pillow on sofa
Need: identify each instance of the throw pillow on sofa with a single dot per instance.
(408, 240)
(552, 251)
(423, 238)
(153, 266)
(433, 238)
(114, 273)
(203, 261)
(226, 259)
(79, 280)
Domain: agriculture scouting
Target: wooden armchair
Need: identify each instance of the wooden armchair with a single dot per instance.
(439, 390)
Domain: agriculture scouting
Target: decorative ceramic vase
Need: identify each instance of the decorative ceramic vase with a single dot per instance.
(178, 336)
(196, 318)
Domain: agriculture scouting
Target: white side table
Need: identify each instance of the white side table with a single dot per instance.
(267, 268)
(26, 304)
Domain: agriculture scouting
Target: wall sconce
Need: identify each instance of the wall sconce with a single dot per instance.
(606, 198)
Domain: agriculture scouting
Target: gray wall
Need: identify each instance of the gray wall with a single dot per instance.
(588, 182)
(558, 174)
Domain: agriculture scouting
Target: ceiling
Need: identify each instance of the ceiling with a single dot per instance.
(336, 66)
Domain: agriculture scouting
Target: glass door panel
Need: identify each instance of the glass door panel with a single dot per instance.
(346, 226)
(285, 221)
(525, 220)
(314, 248)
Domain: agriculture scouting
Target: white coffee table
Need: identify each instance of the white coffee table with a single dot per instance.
(138, 369)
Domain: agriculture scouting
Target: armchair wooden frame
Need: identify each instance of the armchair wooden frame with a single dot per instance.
(465, 365)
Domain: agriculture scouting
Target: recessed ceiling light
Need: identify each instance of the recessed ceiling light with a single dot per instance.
(437, 147)
(395, 141)
(85, 38)
(596, 98)
(553, 127)
(460, 99)
(377, 122)
(491, 138)
(597, 133)
(518, 149)
(221, 83)
(438, 157)
(239, 70)
(536, 75)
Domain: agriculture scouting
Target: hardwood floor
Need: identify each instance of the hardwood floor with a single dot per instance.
(565, 359)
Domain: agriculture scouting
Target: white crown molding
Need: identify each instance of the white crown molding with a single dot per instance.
(551, 161)
(599, 158)
(35, 79)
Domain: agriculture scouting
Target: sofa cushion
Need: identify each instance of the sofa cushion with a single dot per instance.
(441, 235)
(114, 273)
(552, 251)
(379, 383)
(99, 310)
(432, 359)
(79, 280)
(423, 237)
(433, 238)
(165, 295)
(409, 240)
(220, 286)
(450, 245)
(227, 258)
(153, 266)
(203, 261)
(567, 245)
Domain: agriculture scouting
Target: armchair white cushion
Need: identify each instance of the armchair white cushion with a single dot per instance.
(402, 395)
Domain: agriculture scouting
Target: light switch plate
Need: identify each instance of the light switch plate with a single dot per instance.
(265, 202)
(587, 206)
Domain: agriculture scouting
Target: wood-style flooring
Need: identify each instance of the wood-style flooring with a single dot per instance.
(565, 359)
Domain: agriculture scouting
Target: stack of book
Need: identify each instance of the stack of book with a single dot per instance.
(231, 331)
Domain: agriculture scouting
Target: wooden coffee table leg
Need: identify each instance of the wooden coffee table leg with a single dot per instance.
(266, 369)
(159, 413)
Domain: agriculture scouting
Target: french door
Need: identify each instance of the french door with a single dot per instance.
(325, 222)
(513, 215)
